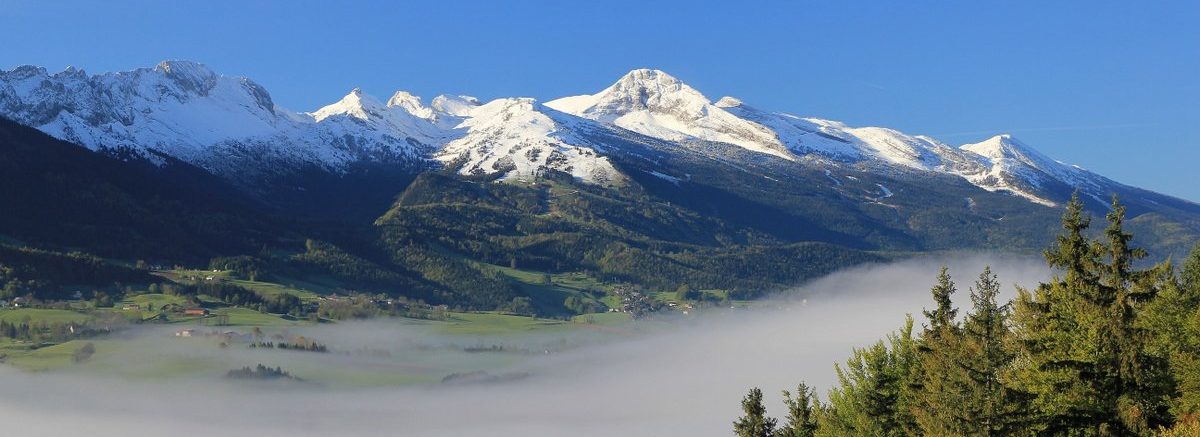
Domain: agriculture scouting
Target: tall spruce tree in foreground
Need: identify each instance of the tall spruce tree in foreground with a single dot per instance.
(1080, 353)
(989, 408)
(942, 318)
(1053, 333)
(802, 413)
(1142, 377)
(937, 391)
(961, 393)
(754, 421)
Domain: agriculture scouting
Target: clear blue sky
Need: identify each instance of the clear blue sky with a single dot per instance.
(1112, 86)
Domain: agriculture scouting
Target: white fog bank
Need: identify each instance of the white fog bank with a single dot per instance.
(687, 380)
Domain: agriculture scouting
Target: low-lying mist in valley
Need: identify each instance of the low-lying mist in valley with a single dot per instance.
(681, 375)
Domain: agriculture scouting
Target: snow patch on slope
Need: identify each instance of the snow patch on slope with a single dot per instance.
(800, 136)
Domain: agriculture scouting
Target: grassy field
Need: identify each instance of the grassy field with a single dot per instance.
(25, 356)
(272, 289)
(302, 289)
(249, 317)
(496, 324)
(158, 300)
(548, 291)
(38, 315)
(180, 275)
(602, 319)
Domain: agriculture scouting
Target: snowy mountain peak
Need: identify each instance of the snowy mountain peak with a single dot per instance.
(1022, 170)
(728, 102)
(650, 79)
(411, 103)
(657, 104)
(649, 75)
(356, 104)
(190, 76)
(25, 71)
(995, 147)
(1005, 147)
(459, 106)
(390, 128)
(71, 71)
(652, 90)
(181, 67)
(518, 137)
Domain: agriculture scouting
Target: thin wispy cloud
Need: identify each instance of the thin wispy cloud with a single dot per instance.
(1046, 129)
(873, 86)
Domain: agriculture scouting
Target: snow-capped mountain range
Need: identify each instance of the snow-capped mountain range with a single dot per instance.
(230, 126)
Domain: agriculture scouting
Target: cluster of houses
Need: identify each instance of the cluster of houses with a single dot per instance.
(635, 302)
(195, 278)
(16, 302)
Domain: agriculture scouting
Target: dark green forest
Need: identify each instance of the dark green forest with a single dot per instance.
(1107, 347)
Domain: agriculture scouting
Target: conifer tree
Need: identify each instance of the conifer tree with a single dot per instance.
(1080, 350)
(989, 408)
(936, 388)
(1053, 328)
(1174, 318)
(1185, 372)
(962, 394)
(1185, 359)
(1189, 275)
(942, 318)
(802, 413)
(754, 421)
(1141, 378)
(872, 396)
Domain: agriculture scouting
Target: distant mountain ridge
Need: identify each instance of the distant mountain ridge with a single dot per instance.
(648, 128)
(645, 182)
(231, 126)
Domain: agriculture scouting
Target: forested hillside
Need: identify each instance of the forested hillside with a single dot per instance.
(435, 244)
(58, 195)
(473, 241)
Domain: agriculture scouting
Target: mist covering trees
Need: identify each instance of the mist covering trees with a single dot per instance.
(1104, 348)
